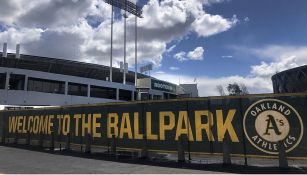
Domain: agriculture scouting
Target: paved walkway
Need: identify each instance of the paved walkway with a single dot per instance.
(14, 160)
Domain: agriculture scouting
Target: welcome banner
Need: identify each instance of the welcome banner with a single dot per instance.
(251, 125)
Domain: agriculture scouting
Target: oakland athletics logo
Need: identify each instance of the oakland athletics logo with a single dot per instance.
(268, 121)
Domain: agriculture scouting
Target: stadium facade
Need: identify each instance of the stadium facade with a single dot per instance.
(27, 80)
(291, 80)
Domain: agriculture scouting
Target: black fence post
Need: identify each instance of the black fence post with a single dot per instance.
(16, 138)
(52, 141)
(41, 140)
(28, 141)
(226, 151)
(283, 162)
(113, 145)
(88, 143)
(243, 134)
(144, 151)
(3, 137)
(67, 146)
(180, 150)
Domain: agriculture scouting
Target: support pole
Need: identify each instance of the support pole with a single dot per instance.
(88, 143)
(226, 151)
(28, 142)
(113, 145)
(144, 151)
(136, 51)
(283, 162)
(125, 38)
(111, 53)
(67, 146)
(181, 156)
(52, 141)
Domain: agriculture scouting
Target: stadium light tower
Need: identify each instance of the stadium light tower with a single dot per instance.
(132, 8)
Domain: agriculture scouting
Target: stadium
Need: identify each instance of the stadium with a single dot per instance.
(291, 80)
(27, 80)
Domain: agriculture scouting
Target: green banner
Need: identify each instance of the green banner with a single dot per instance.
(251, 125)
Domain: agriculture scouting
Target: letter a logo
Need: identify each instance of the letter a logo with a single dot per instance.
(271, 124)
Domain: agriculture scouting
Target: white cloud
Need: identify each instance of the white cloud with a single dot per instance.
(174, 68)
(80, 29)
(207, 85)
(246, 19)
(207, 24)
(180, 56)
(196, 54)
(227, 56)
(170, 49)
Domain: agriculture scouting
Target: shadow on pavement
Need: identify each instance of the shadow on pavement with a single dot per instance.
(168, 163)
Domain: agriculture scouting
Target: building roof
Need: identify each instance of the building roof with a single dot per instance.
(66, 67)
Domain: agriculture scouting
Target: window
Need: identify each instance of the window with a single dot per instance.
(17, 82)
(77, 89)
(156, 97)
(2, 80)
(103, 92)
(48, 86)
(125, 95)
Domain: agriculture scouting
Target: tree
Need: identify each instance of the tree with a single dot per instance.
(244, 89)
(220, 90)
(235, 89)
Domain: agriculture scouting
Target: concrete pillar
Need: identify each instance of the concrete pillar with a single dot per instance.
(7, 81)
(132, 95)
(117, 94)
(66, 87)
(88, 90)
(26, 83)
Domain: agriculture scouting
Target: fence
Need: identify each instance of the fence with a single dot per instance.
(266, 125)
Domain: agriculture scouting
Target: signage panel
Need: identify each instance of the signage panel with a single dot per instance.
(252, 124)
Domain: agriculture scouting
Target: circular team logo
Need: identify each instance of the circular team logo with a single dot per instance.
(268, 121)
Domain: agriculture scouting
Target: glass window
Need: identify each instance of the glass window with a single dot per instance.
(77, 89)
(125, 95)
(17, 82)
(103, 92)
(156, 97)
(2, 80)
(48, 86)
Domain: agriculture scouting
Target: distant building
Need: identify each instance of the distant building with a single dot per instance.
(27, 80)
(290, 81)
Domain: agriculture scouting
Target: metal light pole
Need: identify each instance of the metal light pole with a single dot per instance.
(135, 52)
(111, 53)
(132, 8)
(125, 38)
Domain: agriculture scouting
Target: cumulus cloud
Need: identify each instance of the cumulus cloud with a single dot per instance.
(80, 29)
(196, 54)
(207, 85)
(275, 58)
(207, 24)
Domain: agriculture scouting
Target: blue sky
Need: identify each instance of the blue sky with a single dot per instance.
(215, 41)
(269, 22)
